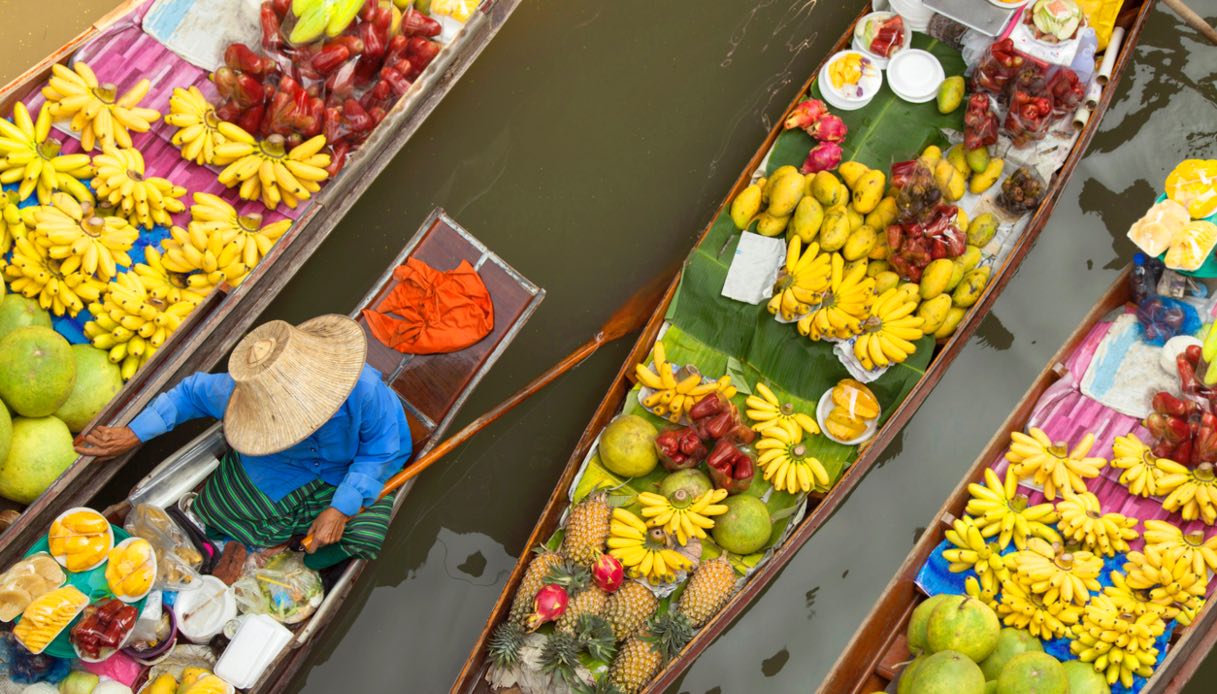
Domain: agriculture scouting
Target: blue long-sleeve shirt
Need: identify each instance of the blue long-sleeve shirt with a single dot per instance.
(361, 446)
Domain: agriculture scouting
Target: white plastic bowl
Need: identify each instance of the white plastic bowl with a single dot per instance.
(915, 75)
(825, 406)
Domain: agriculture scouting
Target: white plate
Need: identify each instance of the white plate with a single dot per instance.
(137, 598)
(825, 406)
(915, 75)
(62, 559)
(1009, 5)
(879, 60)
(840, 101)
(870, 84)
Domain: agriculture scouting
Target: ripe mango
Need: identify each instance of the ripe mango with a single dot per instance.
(982, 229)
(985, 179)
(978, 159)
(957, 273)
(970, 289)
(954, 317)
(961, 220)
(851, 171)
(834, 232)
(769, 225)
(767, 185)
(828, 190)
(970, 258)
(959, 159)
(935, 277)
(950, 94)
(874, 267)
(860, 243)
(881, 250)
(911, 291)
(883, 215)
(785, 194)
(933, 313)
(869, 191)
(745, 206)
(885, 280)
(806, 221)
(949, 180)
(930, 156)
(849, 266)
(855, 220)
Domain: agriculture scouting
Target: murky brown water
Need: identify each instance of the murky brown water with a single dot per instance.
(587, 146)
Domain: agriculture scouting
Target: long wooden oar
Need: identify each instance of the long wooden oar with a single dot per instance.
(630, 317)
(1193, 19)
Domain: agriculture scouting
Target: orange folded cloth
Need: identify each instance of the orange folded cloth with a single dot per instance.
(431, 312)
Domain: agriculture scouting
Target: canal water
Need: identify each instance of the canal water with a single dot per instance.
(588, 146)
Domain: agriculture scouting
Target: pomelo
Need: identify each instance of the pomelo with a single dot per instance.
(694, 482)
(991, 687)
(1033, 673)
(1084, 679)
(920, 619)
(1010, 642)
(37, 371)
(16, 311)
(948, 672)
(969, 627)
(6, 431)
(97, 381)
(41, 449)
(904, 684)
(745, 527)
(627, 446)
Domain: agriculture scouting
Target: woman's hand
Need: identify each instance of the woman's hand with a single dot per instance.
(106, 442)
(326, 529)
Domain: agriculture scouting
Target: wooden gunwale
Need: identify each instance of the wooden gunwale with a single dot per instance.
(215, 327)
(471, 676)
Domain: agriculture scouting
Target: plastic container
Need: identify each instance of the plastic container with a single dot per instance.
(202, 612)
(880, 61)
(916, 14)
(914, 75)
(135, 598)
(147, 656)
(862, 94)
(258, 641)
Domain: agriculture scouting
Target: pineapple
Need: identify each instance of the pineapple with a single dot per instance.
(534, 578)
(596, 637)
(641, 656)
(590, 601)
(629, 608)
(711, 586)
(587, 528)
(560, 656)
(504, 646)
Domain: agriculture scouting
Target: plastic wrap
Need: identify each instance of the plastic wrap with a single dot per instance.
(284, 589)
(47, 616)
(1162, 318)
(104, 625)
(1193, 184)
(177, 559)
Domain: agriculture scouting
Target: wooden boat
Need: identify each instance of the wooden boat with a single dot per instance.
(821, 506)
(432, 389)
(216, 325)
(879, 649)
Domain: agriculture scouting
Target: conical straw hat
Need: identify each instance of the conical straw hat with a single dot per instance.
(290, 381)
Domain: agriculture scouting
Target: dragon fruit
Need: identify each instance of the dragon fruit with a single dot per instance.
(608, 573)
(549, 604)
(823, 157)
(829, 128)
(805, 113)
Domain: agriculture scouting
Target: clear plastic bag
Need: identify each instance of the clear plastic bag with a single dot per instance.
(1162, 318)
(1193, 184)
(284, 588)
(177, 559)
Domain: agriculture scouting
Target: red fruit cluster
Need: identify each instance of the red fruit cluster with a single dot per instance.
(979, 123)
(1185, 429)
(104, 625)
(731, 462)
(342, 87)
(680, 449)
(914, 245)
(1034, 91)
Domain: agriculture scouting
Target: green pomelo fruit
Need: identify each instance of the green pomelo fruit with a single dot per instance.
(1010, 642)
(627, 446)
(970, 627)
(920, 619)
(904, 684)
(37, 371)
(6, 431)
(745, 527)
(1033, 673)
(16, 311)
(692, 482)
(97, 382)
(991, 687)
(41, 449)
(948, 672)
(1083, 679)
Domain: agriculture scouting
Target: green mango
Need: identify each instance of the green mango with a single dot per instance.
(341, 16)
(311, 25)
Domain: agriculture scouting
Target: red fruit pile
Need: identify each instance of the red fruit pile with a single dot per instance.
(1035, 93)
(913, 246)
(979, 123)
(104, 625)
(731, 462)
(342, 87)
(680, 449)
(1185, 430)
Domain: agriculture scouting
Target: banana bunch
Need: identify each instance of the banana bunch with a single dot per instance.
(644, 552)
(1191, 492)
(198, 132)
(1168, 576)
(971, 550)
(1000, 510)
(1140, 466)
(973, 589)
(142, 200)
(12, 223)
(81, 240)
(31, 159)
(765, 410)
(1166, 537)
(169, 287)
(1118, 647)
(131, 324)
(804, 277)
(1020, 608)
(96, 110)
(212, 215)
(1137, 602)
(786, 461)
(206, 261)
(843, 306)
(34, 274)
(681, 515)
(1083, 521)
(266, 170)
(1049, 571)
(890, 331)
(672, 399)
(1052, 465)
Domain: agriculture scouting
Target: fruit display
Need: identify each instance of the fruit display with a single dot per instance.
(268, 170)
(131, 324)
(80, 539)
(786, 461)
(130, 569)
(84, 242)
(675, 389)
(26, 581)
(32, 159)
(96, 110)
(683, 515)
(48, 615)
(853, 408)
(1053, 465)
(104, 625)
(881, 33)
(645, 552)
(122, 182)
(1190, 184)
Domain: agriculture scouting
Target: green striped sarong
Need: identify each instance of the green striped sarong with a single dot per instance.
(233, 507)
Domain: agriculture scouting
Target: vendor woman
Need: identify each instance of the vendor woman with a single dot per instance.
(314, 434)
